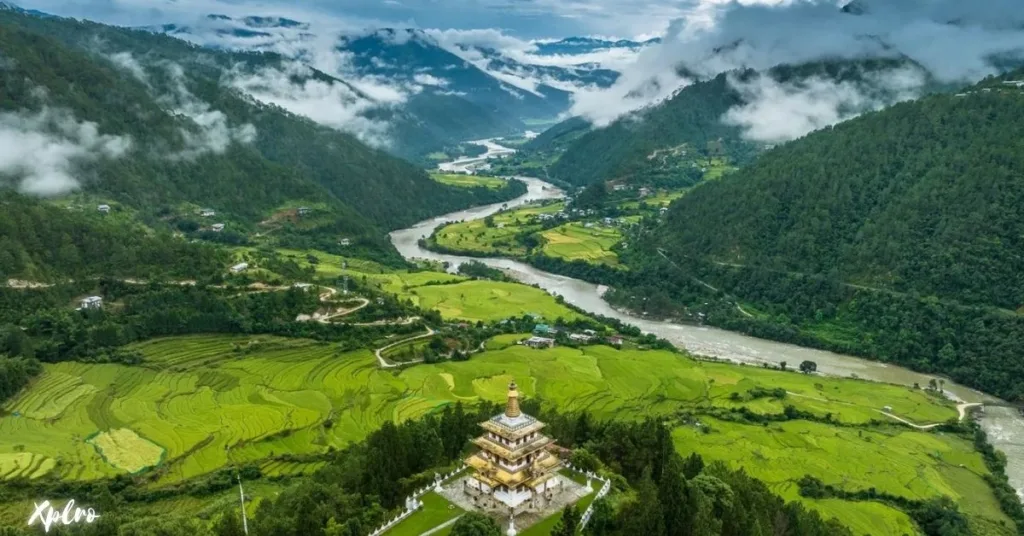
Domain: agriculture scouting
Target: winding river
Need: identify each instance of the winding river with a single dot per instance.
(1005, 426)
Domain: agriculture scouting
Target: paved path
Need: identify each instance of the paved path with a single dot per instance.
(441, 527)
(384, 363)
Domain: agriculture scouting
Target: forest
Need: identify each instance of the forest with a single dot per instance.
(891, 236)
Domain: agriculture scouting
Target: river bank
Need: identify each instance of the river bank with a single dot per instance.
(1005, 426)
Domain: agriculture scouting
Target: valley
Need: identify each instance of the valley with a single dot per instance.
(299, 274)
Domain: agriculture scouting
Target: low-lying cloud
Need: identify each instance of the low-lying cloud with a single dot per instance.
(209, 130)
(330, 103)
(213, 132)
(954, 41)
(43, 150)
(777, 112)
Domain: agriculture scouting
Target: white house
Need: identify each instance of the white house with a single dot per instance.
(217, 227)
(207, 213)
(345, 242)
(104, 209)
(92, 302)
(240, 267)
(539, 342)
(303, 211)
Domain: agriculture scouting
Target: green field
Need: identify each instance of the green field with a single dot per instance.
(468, 181)
(207, 405)
(489, 301)
(573, 241)
(893, 460)
(661, 198)
(476, 236)
(436, 511)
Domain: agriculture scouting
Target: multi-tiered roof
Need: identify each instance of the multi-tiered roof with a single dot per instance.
(513, 457)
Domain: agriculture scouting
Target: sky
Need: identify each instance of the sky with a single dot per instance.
(528, 19)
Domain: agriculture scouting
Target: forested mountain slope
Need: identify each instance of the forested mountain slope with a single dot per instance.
(926, 196)
(40, 241)
(895, 236)
(165, 130)
(621, 150)
(661, 142)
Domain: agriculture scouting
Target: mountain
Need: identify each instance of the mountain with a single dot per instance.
(583, 45)
(411, 56)
(151, 124)
(428, 95)
(666, 142)
(923, 197)
(895, 235)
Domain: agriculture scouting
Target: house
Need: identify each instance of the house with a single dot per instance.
(302, 286)
(500, 226)
(1014, 83)
(644, 192)
(217, 227)
(207, 213)
(619, 187)
(302, 211)
(539, 342)
(240, 267)
(663, 210)
(345, 242)
(92, 302)
(607, 221)
(104, 209)
(588, 225)
(615, 340)
(580, 337)
(544, 329)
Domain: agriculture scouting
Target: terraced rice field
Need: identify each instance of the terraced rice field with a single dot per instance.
(124, 449)
(207, 404)
(468, 181)
(573, 241)
(892, 460)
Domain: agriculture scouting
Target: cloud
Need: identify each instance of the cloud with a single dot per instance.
(953, 40)
(330, 103)
(212, 132)
(777, 112)
(42, 150)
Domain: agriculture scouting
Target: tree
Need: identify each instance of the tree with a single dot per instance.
(782, 365)
(693, 467)
(602, 519)
(569, 522)
(672, 495)
(475, 524)
(585, 461)
(808, 367)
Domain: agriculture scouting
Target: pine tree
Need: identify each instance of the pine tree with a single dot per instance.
(569, 522)
(672, 495)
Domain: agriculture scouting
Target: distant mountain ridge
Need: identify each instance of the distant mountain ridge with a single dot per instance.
(414, 82)
(576, 45)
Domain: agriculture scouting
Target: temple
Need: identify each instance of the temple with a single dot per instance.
(514, 467)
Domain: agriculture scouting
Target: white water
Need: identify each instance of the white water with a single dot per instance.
(1005, 426)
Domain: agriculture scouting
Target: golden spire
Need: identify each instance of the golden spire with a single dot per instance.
(512, 405)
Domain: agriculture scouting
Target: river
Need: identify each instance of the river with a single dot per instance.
(1005, 426)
